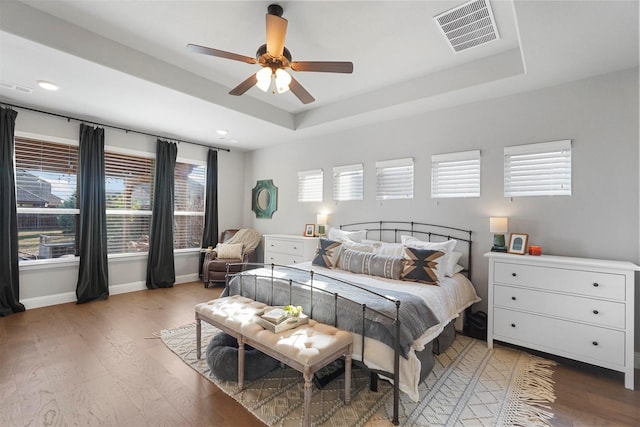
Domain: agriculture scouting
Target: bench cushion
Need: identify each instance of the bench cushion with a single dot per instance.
(233, 311)
(305, 344)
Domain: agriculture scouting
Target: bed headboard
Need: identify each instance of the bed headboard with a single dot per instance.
(390, 231)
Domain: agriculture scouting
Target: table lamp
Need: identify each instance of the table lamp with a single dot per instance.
(498, 226)
(321, 220)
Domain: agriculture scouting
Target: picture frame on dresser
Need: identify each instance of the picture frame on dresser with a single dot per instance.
(518, 243)
(309, 230)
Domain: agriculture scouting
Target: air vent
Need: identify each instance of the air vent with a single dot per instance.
(468, 25)
(18, 88)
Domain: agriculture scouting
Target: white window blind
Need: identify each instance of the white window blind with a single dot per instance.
(46, 185)
(189, 201)
(310, 185)
(455, 174)
(542, 169)
(129, 188)
(394, 179)
(348, 182)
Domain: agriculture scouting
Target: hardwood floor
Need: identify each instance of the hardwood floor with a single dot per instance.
(99, 364)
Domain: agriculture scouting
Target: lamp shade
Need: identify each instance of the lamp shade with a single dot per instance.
(282, 80)
(264, 78)
(321, 219)
(498, 225)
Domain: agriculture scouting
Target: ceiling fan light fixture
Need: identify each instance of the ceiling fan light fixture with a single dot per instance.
(264, 78)
(283, 79)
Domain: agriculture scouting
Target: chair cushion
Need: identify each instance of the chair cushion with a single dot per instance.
(229, 250)
(221, 265)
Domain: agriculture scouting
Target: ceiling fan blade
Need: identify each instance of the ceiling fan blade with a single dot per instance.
(221, 53)
(323, 66)
(276, 34)
(300, 92)
(244, 86)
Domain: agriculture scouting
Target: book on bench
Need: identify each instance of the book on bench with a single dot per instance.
(284, 324)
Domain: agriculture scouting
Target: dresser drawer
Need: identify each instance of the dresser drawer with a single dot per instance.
(290, 247)
(570, 307)
(586, 343)
(580, 282)
(282, 259)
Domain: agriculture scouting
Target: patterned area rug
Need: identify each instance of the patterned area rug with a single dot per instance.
(470, 386)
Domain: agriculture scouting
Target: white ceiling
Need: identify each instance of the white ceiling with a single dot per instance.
(125, 63)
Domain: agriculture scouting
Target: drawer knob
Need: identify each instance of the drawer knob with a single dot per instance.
(596, 284)
(595, 343)
(514, 274)
(513, 298)
(513, 325)
(595, 311)
(295, 247)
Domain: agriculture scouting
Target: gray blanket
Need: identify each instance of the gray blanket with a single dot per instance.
(415, 316)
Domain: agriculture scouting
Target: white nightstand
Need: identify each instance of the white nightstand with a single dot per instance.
(286, 249)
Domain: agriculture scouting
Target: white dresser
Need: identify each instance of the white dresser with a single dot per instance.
(578, 308)
(285, 249)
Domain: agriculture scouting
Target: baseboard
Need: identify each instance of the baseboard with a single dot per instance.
(637, 361)
(66, 297)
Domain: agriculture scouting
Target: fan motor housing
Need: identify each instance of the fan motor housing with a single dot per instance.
(266, 59)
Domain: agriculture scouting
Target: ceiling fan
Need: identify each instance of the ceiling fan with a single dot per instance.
(275, 58)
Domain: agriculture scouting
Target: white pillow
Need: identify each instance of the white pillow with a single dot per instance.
(354, 246)
(446, 247)
(452, 264)
(229, 250)
(342, 235)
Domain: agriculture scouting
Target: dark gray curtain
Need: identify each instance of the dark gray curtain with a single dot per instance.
(210, 231)
(93, 275)
(9, 274)
(161, 272)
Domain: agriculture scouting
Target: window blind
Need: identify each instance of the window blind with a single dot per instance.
(46, 191)
(394, 179)
(542, 169)
(129, 188)
(189, 201)
(455, 174)
(348, 182)
(310, 185)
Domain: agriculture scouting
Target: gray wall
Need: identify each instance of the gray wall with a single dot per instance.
(600, 219)
(44, 284)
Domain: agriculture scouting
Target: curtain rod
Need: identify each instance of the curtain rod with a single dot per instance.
(111, 126)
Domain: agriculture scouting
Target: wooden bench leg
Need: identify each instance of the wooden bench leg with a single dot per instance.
(240, 362)
(308, 391)
(198, 336)
(347, 377)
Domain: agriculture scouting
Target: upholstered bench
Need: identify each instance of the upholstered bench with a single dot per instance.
(306, 348)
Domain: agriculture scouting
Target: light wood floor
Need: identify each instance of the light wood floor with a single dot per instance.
(97, 364)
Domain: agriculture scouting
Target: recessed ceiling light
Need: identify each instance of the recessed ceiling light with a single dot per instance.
(48, 85)
(222, 131)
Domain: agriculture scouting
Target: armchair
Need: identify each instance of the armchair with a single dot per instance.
(235, 247)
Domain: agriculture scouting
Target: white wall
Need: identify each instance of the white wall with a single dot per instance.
(600, 219)
(55, 282)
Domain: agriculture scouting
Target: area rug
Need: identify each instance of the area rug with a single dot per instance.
(470, 386)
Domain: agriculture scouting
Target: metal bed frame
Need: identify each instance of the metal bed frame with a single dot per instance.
(382, 228)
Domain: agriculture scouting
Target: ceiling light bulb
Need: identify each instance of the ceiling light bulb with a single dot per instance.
(282, 80)
(48, 85)
(264, 78)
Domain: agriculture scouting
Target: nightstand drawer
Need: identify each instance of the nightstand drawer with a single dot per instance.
(595, 311)
(282, 259)
(580, 282)
(586, 343)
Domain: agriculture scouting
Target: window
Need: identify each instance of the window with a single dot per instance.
(129, 189)
(46, 184)
(542, 169)
(189, 200)
(455, 174)
(348, 182)
(394, 179)
(310, 186)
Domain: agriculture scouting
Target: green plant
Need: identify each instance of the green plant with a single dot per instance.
(294, 311)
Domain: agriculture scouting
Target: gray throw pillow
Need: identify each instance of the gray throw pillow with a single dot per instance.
(389, 267)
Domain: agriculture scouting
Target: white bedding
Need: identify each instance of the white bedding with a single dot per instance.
(446, 301)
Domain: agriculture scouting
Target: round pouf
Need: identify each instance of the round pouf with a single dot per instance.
(222, 358)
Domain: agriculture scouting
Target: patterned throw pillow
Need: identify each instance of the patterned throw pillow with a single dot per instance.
(327, 253)
(420, 265)
(369, 263)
